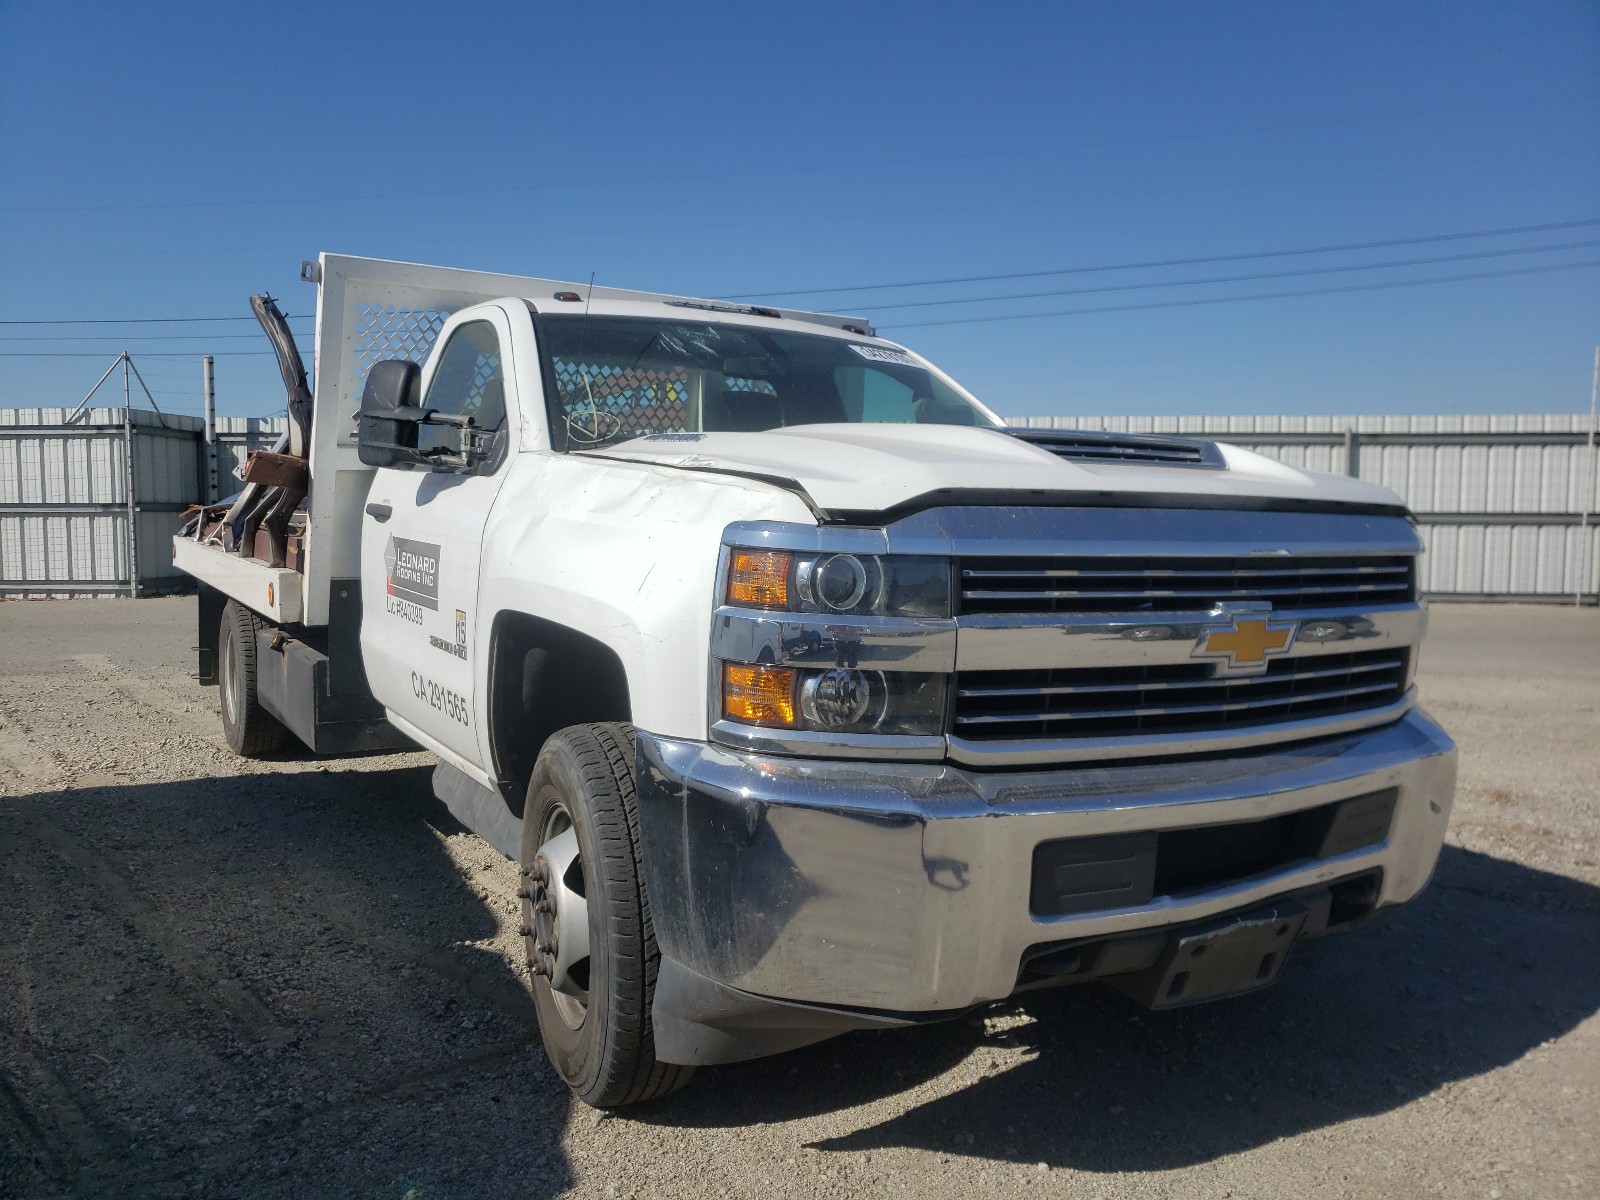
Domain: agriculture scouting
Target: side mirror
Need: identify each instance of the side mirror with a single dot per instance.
(390, 415)
(387, 433)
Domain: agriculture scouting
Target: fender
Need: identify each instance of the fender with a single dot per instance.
(625, 553)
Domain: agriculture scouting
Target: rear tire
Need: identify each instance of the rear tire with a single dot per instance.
(251, 731)
(596, 1030)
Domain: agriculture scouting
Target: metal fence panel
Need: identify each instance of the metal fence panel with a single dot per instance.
(64, 553)
(236, 437)
(66, 514)
(166, 467)
(1506, 502)
(1502, 499)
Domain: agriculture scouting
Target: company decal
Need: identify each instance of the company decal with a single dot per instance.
(880, 354)
(413, 569)
(459, 646)
(404, 609)
(675, 437)
(451, 703)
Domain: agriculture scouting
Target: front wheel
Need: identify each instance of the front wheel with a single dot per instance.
(586, 919)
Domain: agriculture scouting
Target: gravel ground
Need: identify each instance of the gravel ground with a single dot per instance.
(301, 978)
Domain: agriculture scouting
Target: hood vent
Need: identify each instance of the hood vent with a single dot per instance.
(1088, 445)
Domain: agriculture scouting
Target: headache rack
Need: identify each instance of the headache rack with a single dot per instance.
(367, 311)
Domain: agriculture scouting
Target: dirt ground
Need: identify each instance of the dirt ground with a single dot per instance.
(301, 979)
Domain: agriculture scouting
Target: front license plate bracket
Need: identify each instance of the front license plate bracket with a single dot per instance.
(1227, 957)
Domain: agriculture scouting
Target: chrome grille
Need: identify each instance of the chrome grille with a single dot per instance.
(1140, 585)
(1176, 698)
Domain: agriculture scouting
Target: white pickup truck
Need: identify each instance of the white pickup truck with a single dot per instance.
(809, 696)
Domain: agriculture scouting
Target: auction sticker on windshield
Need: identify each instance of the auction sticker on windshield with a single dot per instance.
(880, 354)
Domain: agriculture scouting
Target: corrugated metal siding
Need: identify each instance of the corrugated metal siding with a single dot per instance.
(1469, 493)
(1511, 560)
(236, 437)
(64, 494)
(166, 469)
(85, 468)
(1471, 480)
(87, 549)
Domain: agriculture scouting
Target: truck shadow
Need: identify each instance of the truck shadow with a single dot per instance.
(281, 984)
(274, 984)
(1495, 959)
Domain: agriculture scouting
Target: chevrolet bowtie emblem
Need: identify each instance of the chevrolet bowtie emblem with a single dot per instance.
(1243, 644)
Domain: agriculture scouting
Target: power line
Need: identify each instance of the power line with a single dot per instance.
(1134, 287)
(1120, 287)
(1176, 262)
(1068, 312)
(142, 320)
(137, 337)
(1254, 255)
(143, 355)
(1355, 287)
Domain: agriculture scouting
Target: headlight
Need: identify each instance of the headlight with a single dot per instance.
(833, 700)
(889, 585)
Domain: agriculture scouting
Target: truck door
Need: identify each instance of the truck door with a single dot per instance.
(421, 543)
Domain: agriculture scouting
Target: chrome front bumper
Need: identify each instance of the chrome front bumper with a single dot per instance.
(905, 887)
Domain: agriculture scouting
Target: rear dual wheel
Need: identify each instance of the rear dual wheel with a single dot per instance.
(588, 937)
(251, 731)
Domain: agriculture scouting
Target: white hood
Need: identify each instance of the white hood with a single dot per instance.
(868, 468)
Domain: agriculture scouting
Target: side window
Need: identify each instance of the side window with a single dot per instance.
(470, 382)
(874, 397)
(878, 397)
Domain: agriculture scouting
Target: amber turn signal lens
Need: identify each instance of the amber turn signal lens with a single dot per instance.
(759, 578)
(758, 695)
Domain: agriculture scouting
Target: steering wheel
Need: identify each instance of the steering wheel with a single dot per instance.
(587, 426)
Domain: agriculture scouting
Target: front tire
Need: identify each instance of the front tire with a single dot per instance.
(251, 731)
(588, 937)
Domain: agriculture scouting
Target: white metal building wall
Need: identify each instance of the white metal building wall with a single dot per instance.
(64, 527)
(1501, 499)
(236, 437)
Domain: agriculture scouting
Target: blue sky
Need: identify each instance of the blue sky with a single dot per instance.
(168, 160)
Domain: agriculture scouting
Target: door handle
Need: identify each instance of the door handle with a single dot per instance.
(381, 512)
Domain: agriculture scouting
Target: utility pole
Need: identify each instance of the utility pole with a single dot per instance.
(130, 372)
(213, 484)
(1591, 468)
(128, 481)
(125, 361)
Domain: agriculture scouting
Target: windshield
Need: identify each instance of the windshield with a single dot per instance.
(622, 377)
